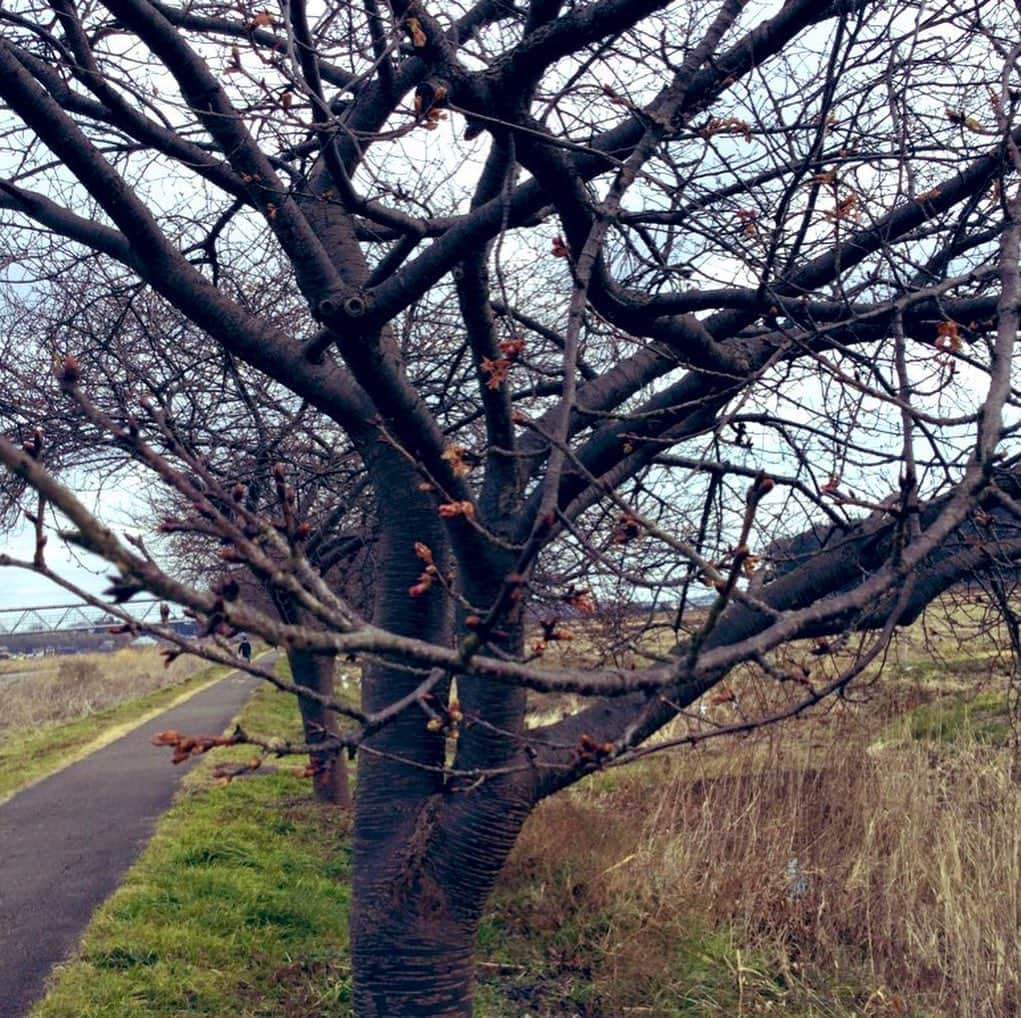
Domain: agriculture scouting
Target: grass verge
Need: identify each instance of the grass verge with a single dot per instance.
(53, 690)
(238, 906)
(882, 884)
(984, 719)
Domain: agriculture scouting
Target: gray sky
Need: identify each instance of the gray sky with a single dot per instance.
(118, 503)
(22, 589)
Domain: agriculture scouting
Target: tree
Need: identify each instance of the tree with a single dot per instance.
(562, 307)
(240, 427)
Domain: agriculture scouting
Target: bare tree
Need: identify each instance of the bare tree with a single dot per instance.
(694, 323)
(236, 422)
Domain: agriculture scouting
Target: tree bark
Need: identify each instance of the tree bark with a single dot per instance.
(411, 948)
(395, 952)
(413, 932)
(329, 778)
(428, 844)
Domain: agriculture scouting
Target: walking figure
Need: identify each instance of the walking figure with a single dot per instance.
(245, 648)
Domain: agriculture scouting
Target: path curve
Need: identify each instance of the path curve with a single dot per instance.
(66, 841)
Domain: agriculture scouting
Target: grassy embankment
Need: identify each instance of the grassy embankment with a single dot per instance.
(60, 708)
(865, 862)
(237, 907)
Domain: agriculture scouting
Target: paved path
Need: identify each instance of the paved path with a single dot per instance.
(66, 842)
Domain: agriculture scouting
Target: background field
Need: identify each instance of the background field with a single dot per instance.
(865, 860)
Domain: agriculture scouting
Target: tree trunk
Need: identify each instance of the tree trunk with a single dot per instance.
(414, 962)
(420, 891)
(411, 944)
(316, 672)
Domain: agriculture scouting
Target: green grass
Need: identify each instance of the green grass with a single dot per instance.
(238, 907)
(701, 973)
(983, 719)
(697, 973)
(556, 942)
(27, 756)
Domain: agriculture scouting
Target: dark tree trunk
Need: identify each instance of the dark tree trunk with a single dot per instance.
(420, 902)
(316, 672)
(428, 843)
(412, 951)
(427, 846)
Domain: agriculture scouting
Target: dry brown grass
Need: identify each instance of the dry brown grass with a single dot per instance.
(865, 860)
(59, 689)
(910, 857)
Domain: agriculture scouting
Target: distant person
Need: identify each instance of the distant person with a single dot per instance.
(245, 648)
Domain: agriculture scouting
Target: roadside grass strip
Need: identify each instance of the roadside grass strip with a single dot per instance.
(686, 887)
(238, 906)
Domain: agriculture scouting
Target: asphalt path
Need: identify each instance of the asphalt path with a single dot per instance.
(66, 842)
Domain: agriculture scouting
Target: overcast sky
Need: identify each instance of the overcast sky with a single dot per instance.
(118, 503)
(22, 589)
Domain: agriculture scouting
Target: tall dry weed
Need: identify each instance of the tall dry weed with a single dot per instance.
(55, 690)
(897, 870)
